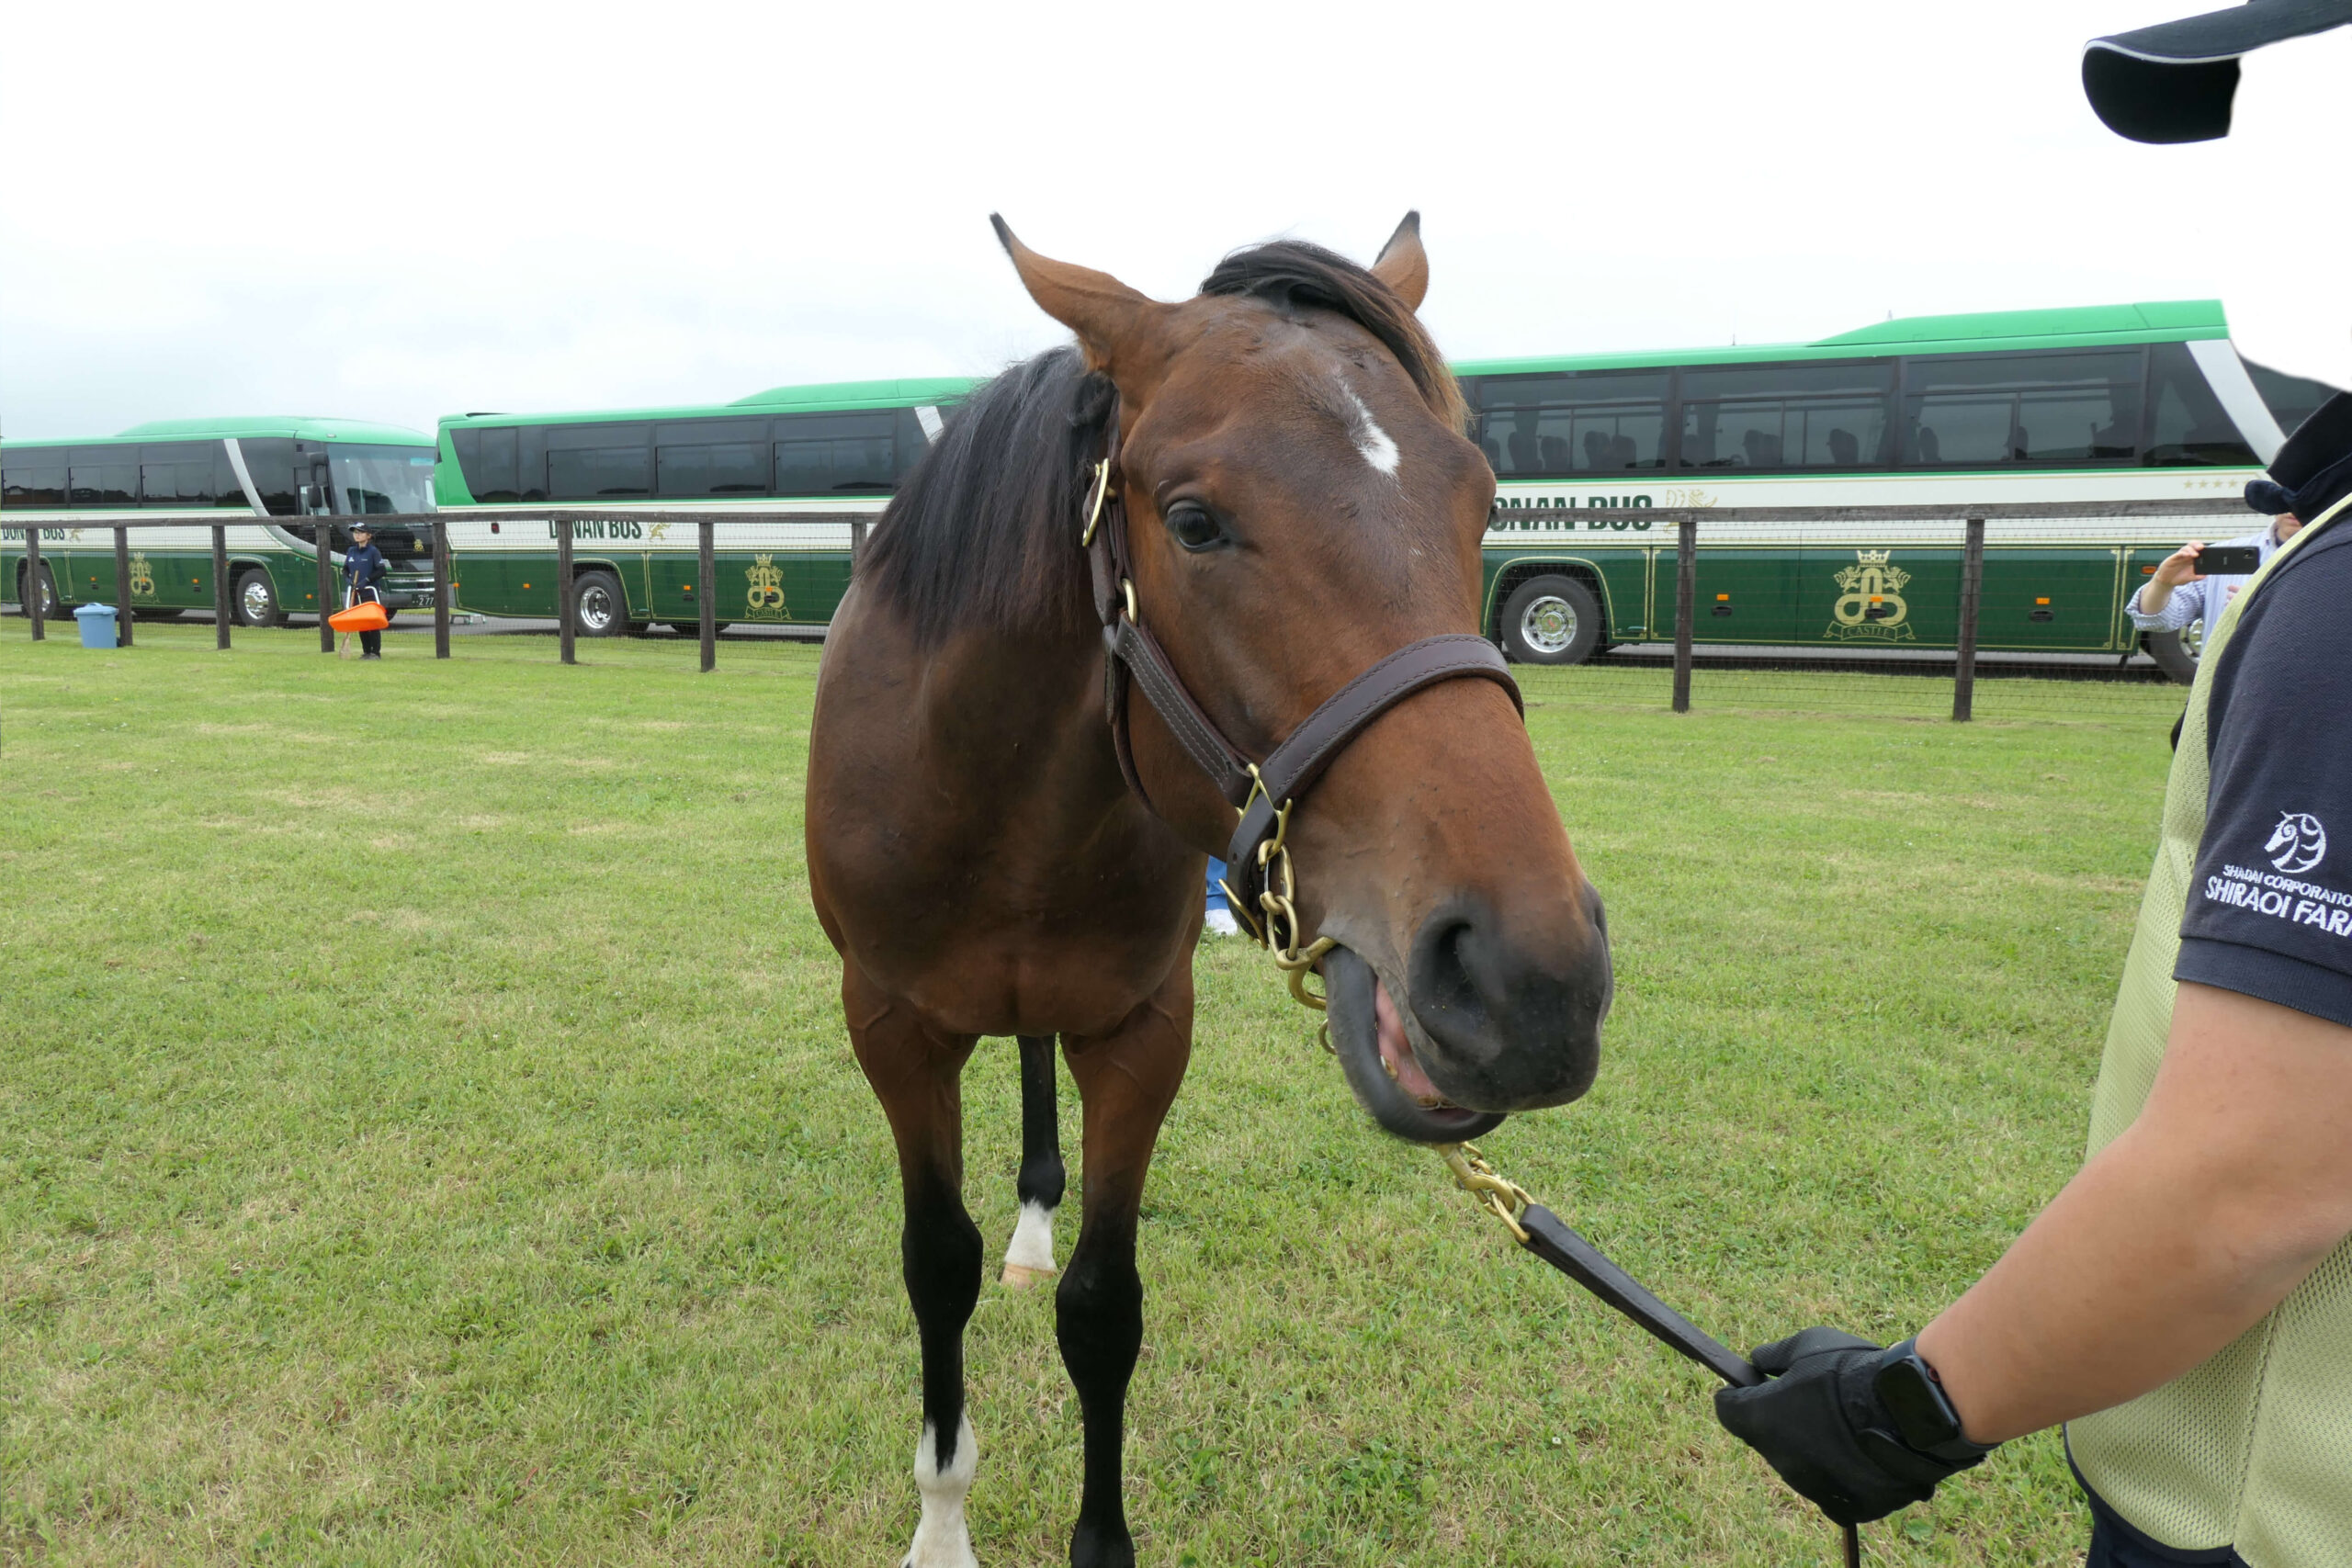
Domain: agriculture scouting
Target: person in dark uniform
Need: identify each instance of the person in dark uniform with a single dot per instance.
(363, 574)
(2185, 1304)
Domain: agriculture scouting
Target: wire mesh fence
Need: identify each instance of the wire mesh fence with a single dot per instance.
(1936, 610)
(1950, 611)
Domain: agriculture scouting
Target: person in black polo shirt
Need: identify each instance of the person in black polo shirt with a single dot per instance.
(2185, 1304)
(363, 571)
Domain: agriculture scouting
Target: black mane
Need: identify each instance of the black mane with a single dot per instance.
(984, 530)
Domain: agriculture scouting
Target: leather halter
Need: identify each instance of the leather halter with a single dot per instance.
(1263, 792)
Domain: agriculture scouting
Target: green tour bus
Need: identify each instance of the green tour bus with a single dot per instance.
(2099, 404)
(826, 450)
(269, 480)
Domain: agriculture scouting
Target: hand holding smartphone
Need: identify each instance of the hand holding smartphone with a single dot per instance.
(2227, 560)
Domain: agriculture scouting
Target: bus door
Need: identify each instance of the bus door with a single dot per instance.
(2058, 598)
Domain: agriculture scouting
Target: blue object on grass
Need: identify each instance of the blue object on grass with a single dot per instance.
(97, 626)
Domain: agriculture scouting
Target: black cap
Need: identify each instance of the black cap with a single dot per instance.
(2174, 82)
(2313, 470)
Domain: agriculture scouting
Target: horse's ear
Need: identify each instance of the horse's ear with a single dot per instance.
(1102, 311)
(1403, 264)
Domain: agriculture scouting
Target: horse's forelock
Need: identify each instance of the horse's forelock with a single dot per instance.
(1294, 275)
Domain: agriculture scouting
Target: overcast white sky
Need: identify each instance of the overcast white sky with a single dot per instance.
(400, 212)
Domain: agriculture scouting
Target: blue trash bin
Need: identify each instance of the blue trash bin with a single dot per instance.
(97, 626)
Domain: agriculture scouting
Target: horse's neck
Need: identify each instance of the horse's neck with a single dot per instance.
(1025, 716)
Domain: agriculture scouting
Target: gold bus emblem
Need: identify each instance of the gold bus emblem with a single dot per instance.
(1870, 601)
(767, 587)
(142, 577)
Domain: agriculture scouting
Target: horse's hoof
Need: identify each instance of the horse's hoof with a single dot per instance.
(1019, 1276)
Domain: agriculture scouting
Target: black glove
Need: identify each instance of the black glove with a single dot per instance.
(1822, 1424)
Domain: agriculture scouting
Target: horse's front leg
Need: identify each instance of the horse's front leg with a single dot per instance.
(1030, 1257)
(1127, 1079)
(918, 1075)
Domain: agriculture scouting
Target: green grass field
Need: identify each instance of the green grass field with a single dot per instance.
(427, 1136)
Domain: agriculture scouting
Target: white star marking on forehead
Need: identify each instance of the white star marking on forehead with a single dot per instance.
(1374, 443)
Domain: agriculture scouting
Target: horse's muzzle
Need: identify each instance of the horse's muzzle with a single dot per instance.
(1513, 1012)
(1353, 994)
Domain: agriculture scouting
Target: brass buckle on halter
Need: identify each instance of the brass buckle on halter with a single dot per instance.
(1094, 508)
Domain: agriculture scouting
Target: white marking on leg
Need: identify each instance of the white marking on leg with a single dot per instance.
(940, 1539)
(1030, 1256)
(1374, 443)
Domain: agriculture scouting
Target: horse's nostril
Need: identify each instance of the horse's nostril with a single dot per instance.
(1514, 1010)
(1445, 992)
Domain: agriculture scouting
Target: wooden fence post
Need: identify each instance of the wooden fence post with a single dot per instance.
(322, 538)
(220, 585)
(707, 592)
(122, 586)
(1972, 595)
(30, 588)
(441, 590)
(563, 590)
(1686, 582)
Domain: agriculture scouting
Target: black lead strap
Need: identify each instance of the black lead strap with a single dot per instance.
(1554, 1240)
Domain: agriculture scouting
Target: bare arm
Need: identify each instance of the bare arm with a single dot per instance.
(2232, 1185)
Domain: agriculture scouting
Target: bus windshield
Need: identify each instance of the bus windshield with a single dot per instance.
(382, 479)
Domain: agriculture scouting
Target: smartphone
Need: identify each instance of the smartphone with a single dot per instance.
(2227, 560)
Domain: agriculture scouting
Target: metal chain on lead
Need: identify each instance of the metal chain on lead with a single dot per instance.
(1279, 909)
(1493, 1192)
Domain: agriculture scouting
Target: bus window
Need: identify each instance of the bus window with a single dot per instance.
(177, 475)
(916, 429)
(1786, 416)
(1555, 426)
(2293, 399)
(380, 478)
(486, 462)
(34, 478)
(735, 467)
(102, 476)
(825, 454)
(598, 462)
(2054, 407)
(713, 457)
(2187, 427)
(270, 460)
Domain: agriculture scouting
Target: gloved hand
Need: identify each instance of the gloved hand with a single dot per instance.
(1820, 1422)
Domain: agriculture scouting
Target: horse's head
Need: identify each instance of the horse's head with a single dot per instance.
(1301, 502)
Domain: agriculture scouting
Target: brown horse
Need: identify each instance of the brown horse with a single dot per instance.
(993, 852)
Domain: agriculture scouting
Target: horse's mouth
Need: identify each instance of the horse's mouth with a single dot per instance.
(1369, 1037)
(1396, 1051)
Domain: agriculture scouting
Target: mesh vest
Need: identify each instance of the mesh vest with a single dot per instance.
(2252, 1449)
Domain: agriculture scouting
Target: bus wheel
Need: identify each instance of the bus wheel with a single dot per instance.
(1550, 620)
(257, 601)
(2176, 652)
(49, 608)
(597, 607)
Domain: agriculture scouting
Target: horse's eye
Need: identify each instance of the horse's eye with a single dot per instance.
(1194, 527)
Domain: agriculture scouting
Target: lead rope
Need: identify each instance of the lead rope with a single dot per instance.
(1542, 1233)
